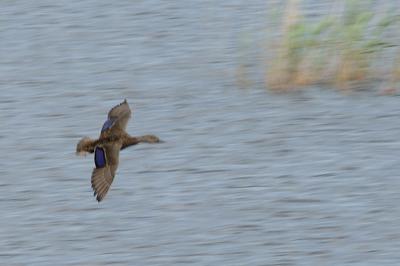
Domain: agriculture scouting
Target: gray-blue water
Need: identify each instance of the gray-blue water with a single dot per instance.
(245, 177)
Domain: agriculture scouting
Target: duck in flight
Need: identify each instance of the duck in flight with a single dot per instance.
(113, 138)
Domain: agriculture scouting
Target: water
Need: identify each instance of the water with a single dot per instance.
(244, 177)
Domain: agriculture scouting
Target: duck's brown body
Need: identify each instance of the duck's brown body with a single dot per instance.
(123, 140)
(112, 139)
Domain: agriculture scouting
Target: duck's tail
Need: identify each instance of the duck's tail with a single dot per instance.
(85, 145)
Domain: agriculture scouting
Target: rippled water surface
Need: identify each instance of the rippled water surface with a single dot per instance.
(244, 177)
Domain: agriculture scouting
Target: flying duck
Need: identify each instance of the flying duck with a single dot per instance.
(113, 138)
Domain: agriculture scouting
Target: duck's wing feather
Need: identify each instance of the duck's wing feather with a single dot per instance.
(106, 160)
(118, 117)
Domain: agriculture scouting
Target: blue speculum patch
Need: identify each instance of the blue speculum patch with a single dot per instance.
(99, 157)
(108, 124)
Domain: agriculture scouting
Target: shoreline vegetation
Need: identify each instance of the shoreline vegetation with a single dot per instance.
(353, 47)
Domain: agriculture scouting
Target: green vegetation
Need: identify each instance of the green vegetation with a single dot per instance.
(339, 49)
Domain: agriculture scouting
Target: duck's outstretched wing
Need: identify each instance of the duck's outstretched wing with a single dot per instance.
(106, 160)
(118, 117)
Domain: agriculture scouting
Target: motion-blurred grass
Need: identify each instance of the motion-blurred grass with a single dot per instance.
(343, 49)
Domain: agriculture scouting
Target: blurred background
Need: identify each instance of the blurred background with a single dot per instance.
(279, 121)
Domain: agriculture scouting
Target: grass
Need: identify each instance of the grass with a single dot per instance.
(340, 49)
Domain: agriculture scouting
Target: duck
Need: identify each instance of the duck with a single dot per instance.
(113, 138)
